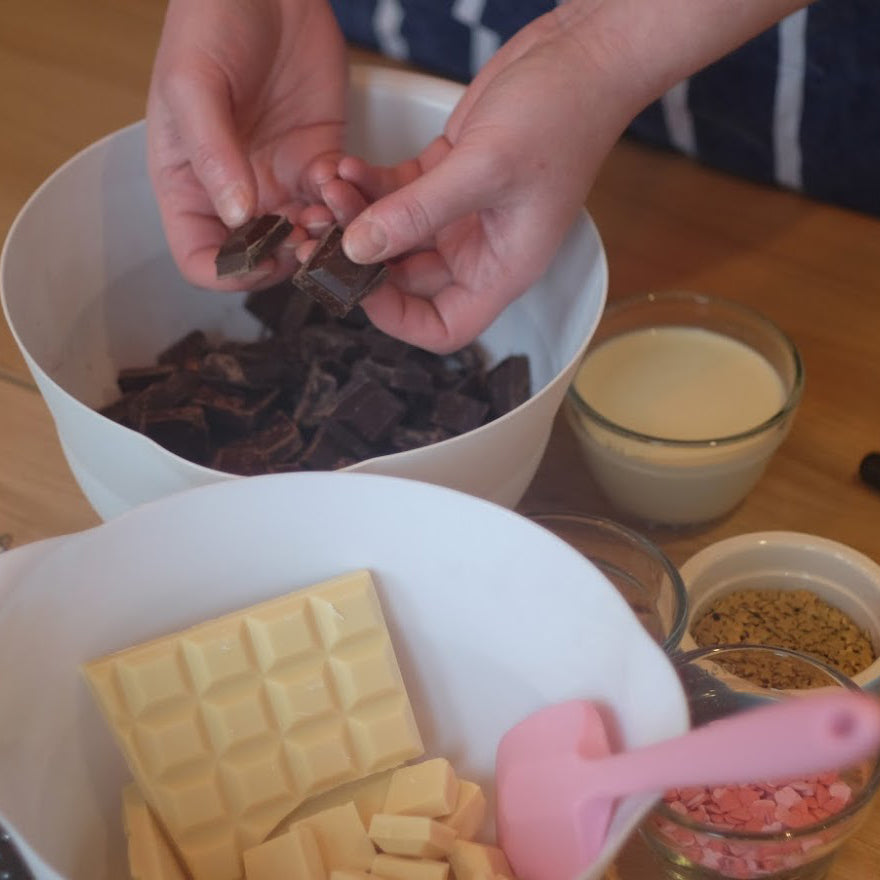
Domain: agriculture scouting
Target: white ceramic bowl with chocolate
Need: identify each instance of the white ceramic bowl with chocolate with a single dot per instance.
(482, 638)
(89, 289)
(792, 590)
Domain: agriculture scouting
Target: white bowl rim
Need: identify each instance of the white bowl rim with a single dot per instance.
(799, 542)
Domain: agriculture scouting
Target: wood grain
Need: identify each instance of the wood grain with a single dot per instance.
(72, 72)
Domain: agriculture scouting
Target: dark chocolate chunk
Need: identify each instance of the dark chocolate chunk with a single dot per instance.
(137, 378)
(300, 310)
(249, 244)
(404, 437)
(318, 400)
(233, 410)
(118, 411)
(508, 384)
(277, 442)
(181, 430)
(407, 376)
(175, 391)
(187, 352)
(368, 408)
(243, 367)
(336, 282)
(269, 305)
(332, 447)
(457, 412)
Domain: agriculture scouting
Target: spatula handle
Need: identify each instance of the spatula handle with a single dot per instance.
(796, 736)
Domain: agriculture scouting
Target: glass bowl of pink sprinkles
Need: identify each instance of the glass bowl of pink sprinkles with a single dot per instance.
(772, 829)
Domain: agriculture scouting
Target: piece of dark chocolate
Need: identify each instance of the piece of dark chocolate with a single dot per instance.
(332, 447)
(368, 408)
(406, 377)
(329, 277)
(318, 399)
(181, 430)
(269, 305)
(137, 378)
(175, 391)
(509, 384)
(457, 412)
(233, 410)
(187, 352)
(250, 243)
(404, 437)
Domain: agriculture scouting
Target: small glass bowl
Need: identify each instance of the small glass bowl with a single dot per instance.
(671, 481)
(722, 681)
(644, 576)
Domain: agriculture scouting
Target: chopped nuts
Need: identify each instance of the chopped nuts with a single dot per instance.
(795, 619)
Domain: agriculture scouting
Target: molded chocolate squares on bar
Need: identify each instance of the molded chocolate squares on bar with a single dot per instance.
(229, 725)
(247, 245)
(330, 278)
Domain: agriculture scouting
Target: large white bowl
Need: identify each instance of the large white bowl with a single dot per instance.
(492, 617)
(88, 286)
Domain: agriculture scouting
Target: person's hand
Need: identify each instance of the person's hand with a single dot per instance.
(479, 214)
(244, 116)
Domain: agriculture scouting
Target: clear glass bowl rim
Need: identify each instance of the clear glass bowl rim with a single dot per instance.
(860, 800)
(680, 593)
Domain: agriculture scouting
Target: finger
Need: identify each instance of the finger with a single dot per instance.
(318, 172)
(464, 182)
(422, 274)
(316, 219)
(443, 323)
(375, 181)
(343, 199)
(203, 113)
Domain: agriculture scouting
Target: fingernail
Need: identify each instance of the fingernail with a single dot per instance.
(364, 241)
(232, 205)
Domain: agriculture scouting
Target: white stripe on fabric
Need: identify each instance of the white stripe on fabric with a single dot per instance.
(386, 24)
(678, 118)
(789, 99)
(484, 42)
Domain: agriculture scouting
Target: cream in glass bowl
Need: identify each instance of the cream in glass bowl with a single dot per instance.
(680, 401)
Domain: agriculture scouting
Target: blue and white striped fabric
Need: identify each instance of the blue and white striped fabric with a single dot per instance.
(798, 106)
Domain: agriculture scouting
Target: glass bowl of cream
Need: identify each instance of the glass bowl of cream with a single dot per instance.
(679, 403)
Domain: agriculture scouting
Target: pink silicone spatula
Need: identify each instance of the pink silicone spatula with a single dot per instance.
(556, 780)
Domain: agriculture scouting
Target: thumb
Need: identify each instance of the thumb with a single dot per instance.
(203, 112)
(409, 218)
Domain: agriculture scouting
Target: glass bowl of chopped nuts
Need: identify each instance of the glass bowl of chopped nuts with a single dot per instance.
(788, 590)
(772, 829)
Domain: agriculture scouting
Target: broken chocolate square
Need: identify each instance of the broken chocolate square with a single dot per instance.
(336, 282)
(247, 245)
(508, 384)
(458, 412)
(368, 408)
(181, 430)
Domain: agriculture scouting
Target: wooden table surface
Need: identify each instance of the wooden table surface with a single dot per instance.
(71, 72)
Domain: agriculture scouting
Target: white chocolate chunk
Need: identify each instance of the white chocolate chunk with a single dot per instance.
(429, 788)
(476, 861)
(411, 836)
(470, 811)
(368, 796)
(293, 856)
(388, 867)
(342, 838)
